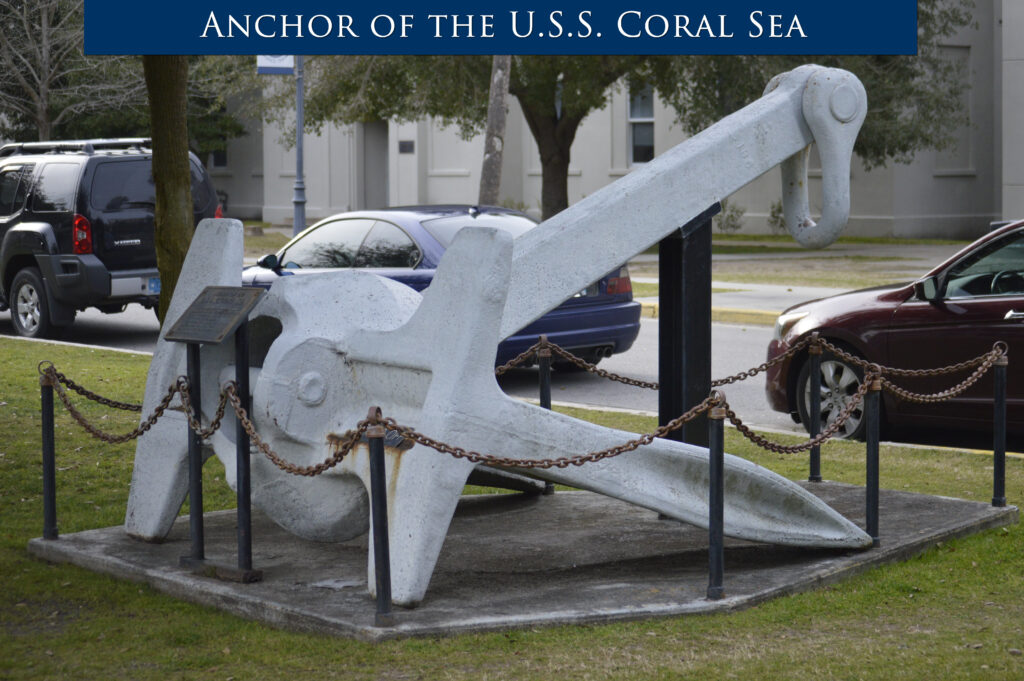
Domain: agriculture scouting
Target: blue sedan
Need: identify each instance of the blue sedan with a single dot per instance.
(406, 244)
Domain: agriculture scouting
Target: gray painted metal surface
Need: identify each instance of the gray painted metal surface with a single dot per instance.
(330, 346)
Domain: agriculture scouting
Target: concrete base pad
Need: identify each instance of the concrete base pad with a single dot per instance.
(515, 561)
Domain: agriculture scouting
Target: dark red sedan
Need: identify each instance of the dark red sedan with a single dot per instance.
(954, 313)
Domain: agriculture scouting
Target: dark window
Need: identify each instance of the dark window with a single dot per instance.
(13, 187)
(333, 244)
(996, 269)
(641, 123)
(387, 246)
(55, 189)
(123, 184)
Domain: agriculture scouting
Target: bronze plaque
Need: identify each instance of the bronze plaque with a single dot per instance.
(214, 314)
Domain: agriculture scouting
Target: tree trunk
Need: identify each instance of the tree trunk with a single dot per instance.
(494, 141)
(554, 133)
(167, 84)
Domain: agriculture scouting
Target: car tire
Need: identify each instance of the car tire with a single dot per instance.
(30, 309)
(840, 380)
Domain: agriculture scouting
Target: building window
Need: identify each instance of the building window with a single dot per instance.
(641, 124)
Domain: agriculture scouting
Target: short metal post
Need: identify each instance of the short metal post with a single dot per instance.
(999, 433)
(242, 452)
(871, 400)
(379, 517)
(544, 374)
(716, 503)
(814, 409)
(49, 459)
(195, 458)
(544, 378)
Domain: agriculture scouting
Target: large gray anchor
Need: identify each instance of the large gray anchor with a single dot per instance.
(329, 346)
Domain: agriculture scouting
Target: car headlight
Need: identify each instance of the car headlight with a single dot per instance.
(785, 323)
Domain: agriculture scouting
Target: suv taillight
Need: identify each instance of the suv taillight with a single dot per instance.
(81, 233)
(620, 283)
(219, 213)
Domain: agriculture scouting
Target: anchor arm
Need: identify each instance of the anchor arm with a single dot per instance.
(808, 104)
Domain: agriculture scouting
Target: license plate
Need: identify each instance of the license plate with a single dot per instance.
(154, 285)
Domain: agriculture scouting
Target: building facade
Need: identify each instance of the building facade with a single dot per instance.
(954, 193)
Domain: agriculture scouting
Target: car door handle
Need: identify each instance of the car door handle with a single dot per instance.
(1012, 315)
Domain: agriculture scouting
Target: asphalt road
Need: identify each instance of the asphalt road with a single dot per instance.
(134, 329)
(736, 348)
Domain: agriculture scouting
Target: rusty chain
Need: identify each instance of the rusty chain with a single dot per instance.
(342, 445)
(522, 357)
(194, 423)
(998, 350)
(528, 355)
(88, 394)
(832, 429)
(51, 375)
(987, 361)
(765, 366)
(563, 462)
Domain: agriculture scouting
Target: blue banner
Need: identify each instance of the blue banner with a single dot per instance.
(521, 27)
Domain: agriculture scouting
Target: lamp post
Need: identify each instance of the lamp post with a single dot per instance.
(299, 197)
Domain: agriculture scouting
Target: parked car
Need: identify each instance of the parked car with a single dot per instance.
(954, 313)
(77, 230)
(406, 244)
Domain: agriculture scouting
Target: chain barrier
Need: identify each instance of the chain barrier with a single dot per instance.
(193, 422)
(52, 375)
(88, 394)
(832, 429)
(342, 445)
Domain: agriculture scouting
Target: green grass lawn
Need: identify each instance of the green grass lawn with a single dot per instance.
(955, 612)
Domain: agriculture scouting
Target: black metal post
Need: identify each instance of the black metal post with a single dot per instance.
(195, 458)
(872, 403)
(243, 483)
(716, 503)
(544, 378)
(544, 375)
(999, 433)
(379, 515)
(684, 324)
(814, 427)
(49, 459)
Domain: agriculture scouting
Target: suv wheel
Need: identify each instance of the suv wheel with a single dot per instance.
(29, 310)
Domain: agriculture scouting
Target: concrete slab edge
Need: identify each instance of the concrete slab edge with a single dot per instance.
(181, 585)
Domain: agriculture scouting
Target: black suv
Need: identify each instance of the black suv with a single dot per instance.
(76, 228)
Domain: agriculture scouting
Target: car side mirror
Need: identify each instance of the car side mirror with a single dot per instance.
(927, 289)
(269, 262)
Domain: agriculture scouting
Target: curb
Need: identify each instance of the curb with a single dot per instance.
(723, 314)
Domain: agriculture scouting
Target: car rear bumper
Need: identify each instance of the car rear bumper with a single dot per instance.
(81, 281)
(580, 329)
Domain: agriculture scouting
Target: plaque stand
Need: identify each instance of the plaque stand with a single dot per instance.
(215, 313)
